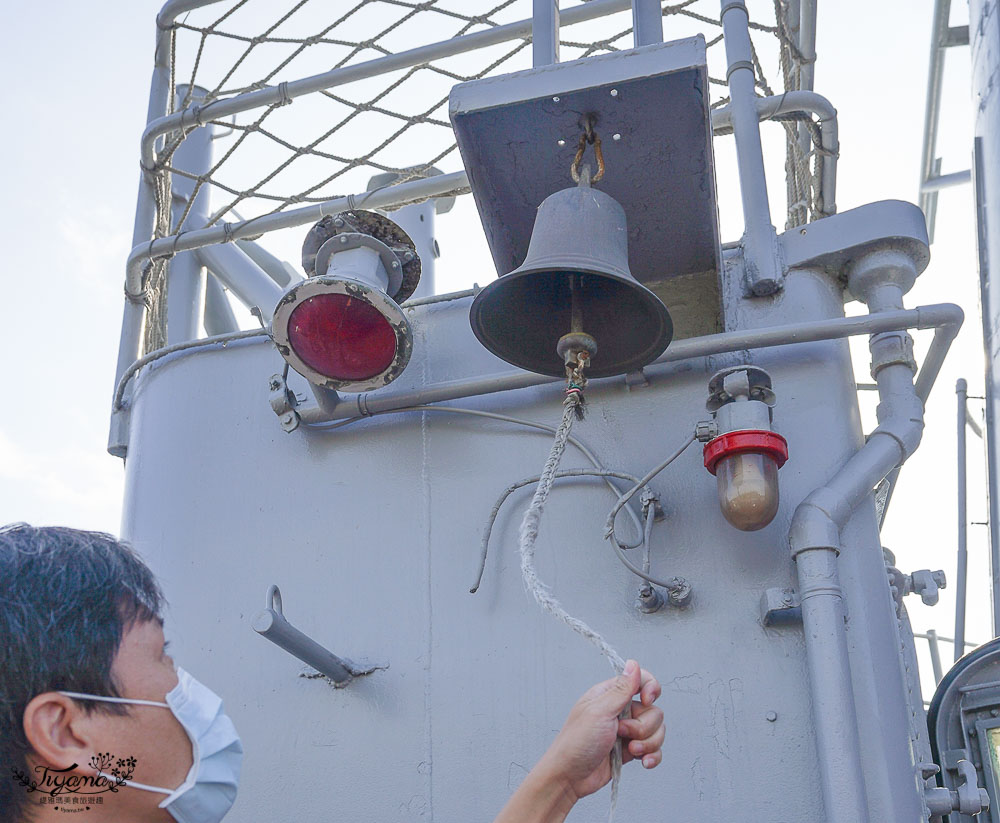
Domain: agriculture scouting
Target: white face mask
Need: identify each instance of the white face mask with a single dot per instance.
(209, 789)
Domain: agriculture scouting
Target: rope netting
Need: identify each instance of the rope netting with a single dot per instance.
(332, 142)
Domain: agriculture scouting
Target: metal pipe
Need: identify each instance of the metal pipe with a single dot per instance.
(145, 219)
(544, 32)
(962, 564)
(185, 273)
(935, 650)
(271, 623)
(935, 75)
(244, 278)
(879, 280)
(944, 181)
(286, 92)
(940, 315)
(807, 70)
(386, 197)
(219, 317)
(760, 239)
(647, 22)
(202, 238)
(801, 102)
(276, 269)
(174, 8)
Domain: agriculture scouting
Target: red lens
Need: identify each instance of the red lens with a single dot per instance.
(341, 337)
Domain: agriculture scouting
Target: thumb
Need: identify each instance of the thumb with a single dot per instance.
(623, 687)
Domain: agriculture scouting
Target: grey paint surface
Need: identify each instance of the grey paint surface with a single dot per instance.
(984, 38)
(372, 532)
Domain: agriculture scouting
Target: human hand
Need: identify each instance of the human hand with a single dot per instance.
(579, 756)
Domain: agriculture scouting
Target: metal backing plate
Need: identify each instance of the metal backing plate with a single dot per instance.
(660, 169)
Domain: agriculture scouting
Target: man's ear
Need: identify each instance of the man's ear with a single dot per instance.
(57, 730)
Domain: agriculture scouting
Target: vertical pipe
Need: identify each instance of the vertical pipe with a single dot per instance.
(935, 650)
(837, 741)
(647, 22)
(759, 239)
(185, 273)
(961, 391)
(544, 32)
(418, 222)
(142, 231)
(935, 74)
(807, 71)
(219, 317)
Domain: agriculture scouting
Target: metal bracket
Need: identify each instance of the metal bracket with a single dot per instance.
(271, 623)
(283, 402)
(925, 583)
(968, 799)
(780, 607)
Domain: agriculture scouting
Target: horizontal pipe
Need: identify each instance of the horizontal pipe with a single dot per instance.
(172, 9)
(936, 315)
(201, 238)
(793, 102)
(942, 316)
(944, 181)
(286, 92)
(801, 102)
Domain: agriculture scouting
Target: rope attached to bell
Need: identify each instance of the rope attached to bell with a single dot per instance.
(576, 348)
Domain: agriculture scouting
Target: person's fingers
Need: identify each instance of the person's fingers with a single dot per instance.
(652, 760)
(644, 721)
(648, 745)
(649, 688)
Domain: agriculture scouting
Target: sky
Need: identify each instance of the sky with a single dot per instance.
(76, 96)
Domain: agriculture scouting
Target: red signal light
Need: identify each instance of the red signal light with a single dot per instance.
(341, 337)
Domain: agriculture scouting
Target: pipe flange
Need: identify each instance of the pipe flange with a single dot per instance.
(758, 383)
(375, 225)
(355, 240)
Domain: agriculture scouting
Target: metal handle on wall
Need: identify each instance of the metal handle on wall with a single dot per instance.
(271, 623)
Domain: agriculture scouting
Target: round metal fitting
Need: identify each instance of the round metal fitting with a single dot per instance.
(356, 240)
(573, 342)
(748, 440)
(329, 284)
(758, 379)
(374, 225)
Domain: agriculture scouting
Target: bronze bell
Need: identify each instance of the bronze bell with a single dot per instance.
(575, 279)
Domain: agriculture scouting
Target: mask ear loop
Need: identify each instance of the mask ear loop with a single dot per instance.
(82, 696)
(171, 793)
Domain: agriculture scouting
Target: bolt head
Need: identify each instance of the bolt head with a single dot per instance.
(555, 99)
(614, 92)
(560, 142)
(771, 716)
(616, 137)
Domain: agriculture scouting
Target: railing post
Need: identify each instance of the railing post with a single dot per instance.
(544, 32)
(961, 583)
(647, 22)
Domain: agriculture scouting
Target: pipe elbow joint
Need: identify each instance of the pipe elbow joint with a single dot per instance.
(815, 524)
(903, 421)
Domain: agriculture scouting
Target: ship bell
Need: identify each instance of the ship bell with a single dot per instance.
(575, 279)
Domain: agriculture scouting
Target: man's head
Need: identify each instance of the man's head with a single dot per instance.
(80, 612)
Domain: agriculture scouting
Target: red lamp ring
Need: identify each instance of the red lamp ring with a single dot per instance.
(746, 440)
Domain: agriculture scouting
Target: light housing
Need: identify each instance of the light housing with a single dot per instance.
(343, 327)
(746, 455)
(745, 464)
